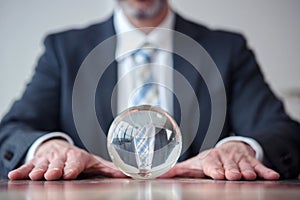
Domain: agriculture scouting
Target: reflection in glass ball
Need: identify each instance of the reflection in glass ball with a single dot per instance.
(144, 142)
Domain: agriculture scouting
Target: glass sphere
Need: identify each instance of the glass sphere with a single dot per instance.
(144, 142)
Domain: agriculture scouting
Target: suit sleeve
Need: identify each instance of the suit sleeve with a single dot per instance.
(36, 113)
(255, 112)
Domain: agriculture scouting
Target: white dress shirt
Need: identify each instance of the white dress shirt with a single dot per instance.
(128, 40)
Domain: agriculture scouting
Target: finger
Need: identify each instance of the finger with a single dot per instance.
(232, 171)
(55, 169)
(21, 172)
(212, 166)
(248, 172)
(74, 164)
(171, 173)
(184, 169)
(264, 172)
(190, 168)
(40, 168)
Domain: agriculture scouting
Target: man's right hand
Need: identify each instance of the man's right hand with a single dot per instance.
(57, 159)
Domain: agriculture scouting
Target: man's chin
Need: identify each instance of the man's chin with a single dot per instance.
(143, 9)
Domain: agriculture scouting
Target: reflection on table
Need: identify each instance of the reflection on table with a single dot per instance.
(149, 189)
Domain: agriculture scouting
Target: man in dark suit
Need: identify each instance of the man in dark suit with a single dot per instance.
(36, 135)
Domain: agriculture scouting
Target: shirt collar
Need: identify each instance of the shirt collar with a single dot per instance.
(129, 38)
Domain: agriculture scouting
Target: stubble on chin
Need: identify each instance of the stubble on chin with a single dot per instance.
(150, 12)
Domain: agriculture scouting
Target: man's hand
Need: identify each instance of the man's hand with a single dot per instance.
(231, 161)
(57, 159)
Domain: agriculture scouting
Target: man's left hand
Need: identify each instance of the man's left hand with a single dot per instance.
(231, 161)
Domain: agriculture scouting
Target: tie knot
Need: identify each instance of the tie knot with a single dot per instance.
(144, 54)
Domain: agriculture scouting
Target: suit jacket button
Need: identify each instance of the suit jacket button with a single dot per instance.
(8, 155)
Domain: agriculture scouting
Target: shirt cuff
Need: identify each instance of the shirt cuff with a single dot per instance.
(31, 152)
(259, 154)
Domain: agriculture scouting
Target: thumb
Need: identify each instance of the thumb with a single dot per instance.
(185, 169)
(171, 173)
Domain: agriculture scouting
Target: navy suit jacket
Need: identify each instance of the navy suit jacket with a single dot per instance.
(252, 109)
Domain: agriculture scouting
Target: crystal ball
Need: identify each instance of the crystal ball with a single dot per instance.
(144, 142)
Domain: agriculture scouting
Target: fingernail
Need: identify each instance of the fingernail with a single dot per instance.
(220, 171)
(55, 169)
(68, 171)
(38, 170)
(249, 171)
(235, 171)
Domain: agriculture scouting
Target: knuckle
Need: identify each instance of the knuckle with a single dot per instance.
(73, 152)
(230, 165)
(39, 160)
(57, 163)
(53, 155)
(76, 154)
(214, 152)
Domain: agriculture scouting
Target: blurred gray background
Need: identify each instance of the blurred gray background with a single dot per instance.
(272, 28)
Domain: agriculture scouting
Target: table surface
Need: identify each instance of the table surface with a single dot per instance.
(104, 188)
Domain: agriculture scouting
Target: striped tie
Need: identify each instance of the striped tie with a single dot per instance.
(146, 92)
(144, 146)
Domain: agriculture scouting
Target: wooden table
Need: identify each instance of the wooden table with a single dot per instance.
(150, 189)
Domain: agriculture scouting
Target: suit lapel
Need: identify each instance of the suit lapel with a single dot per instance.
(181, 65)
(104, 102)
(105, 110)
(187, 83)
